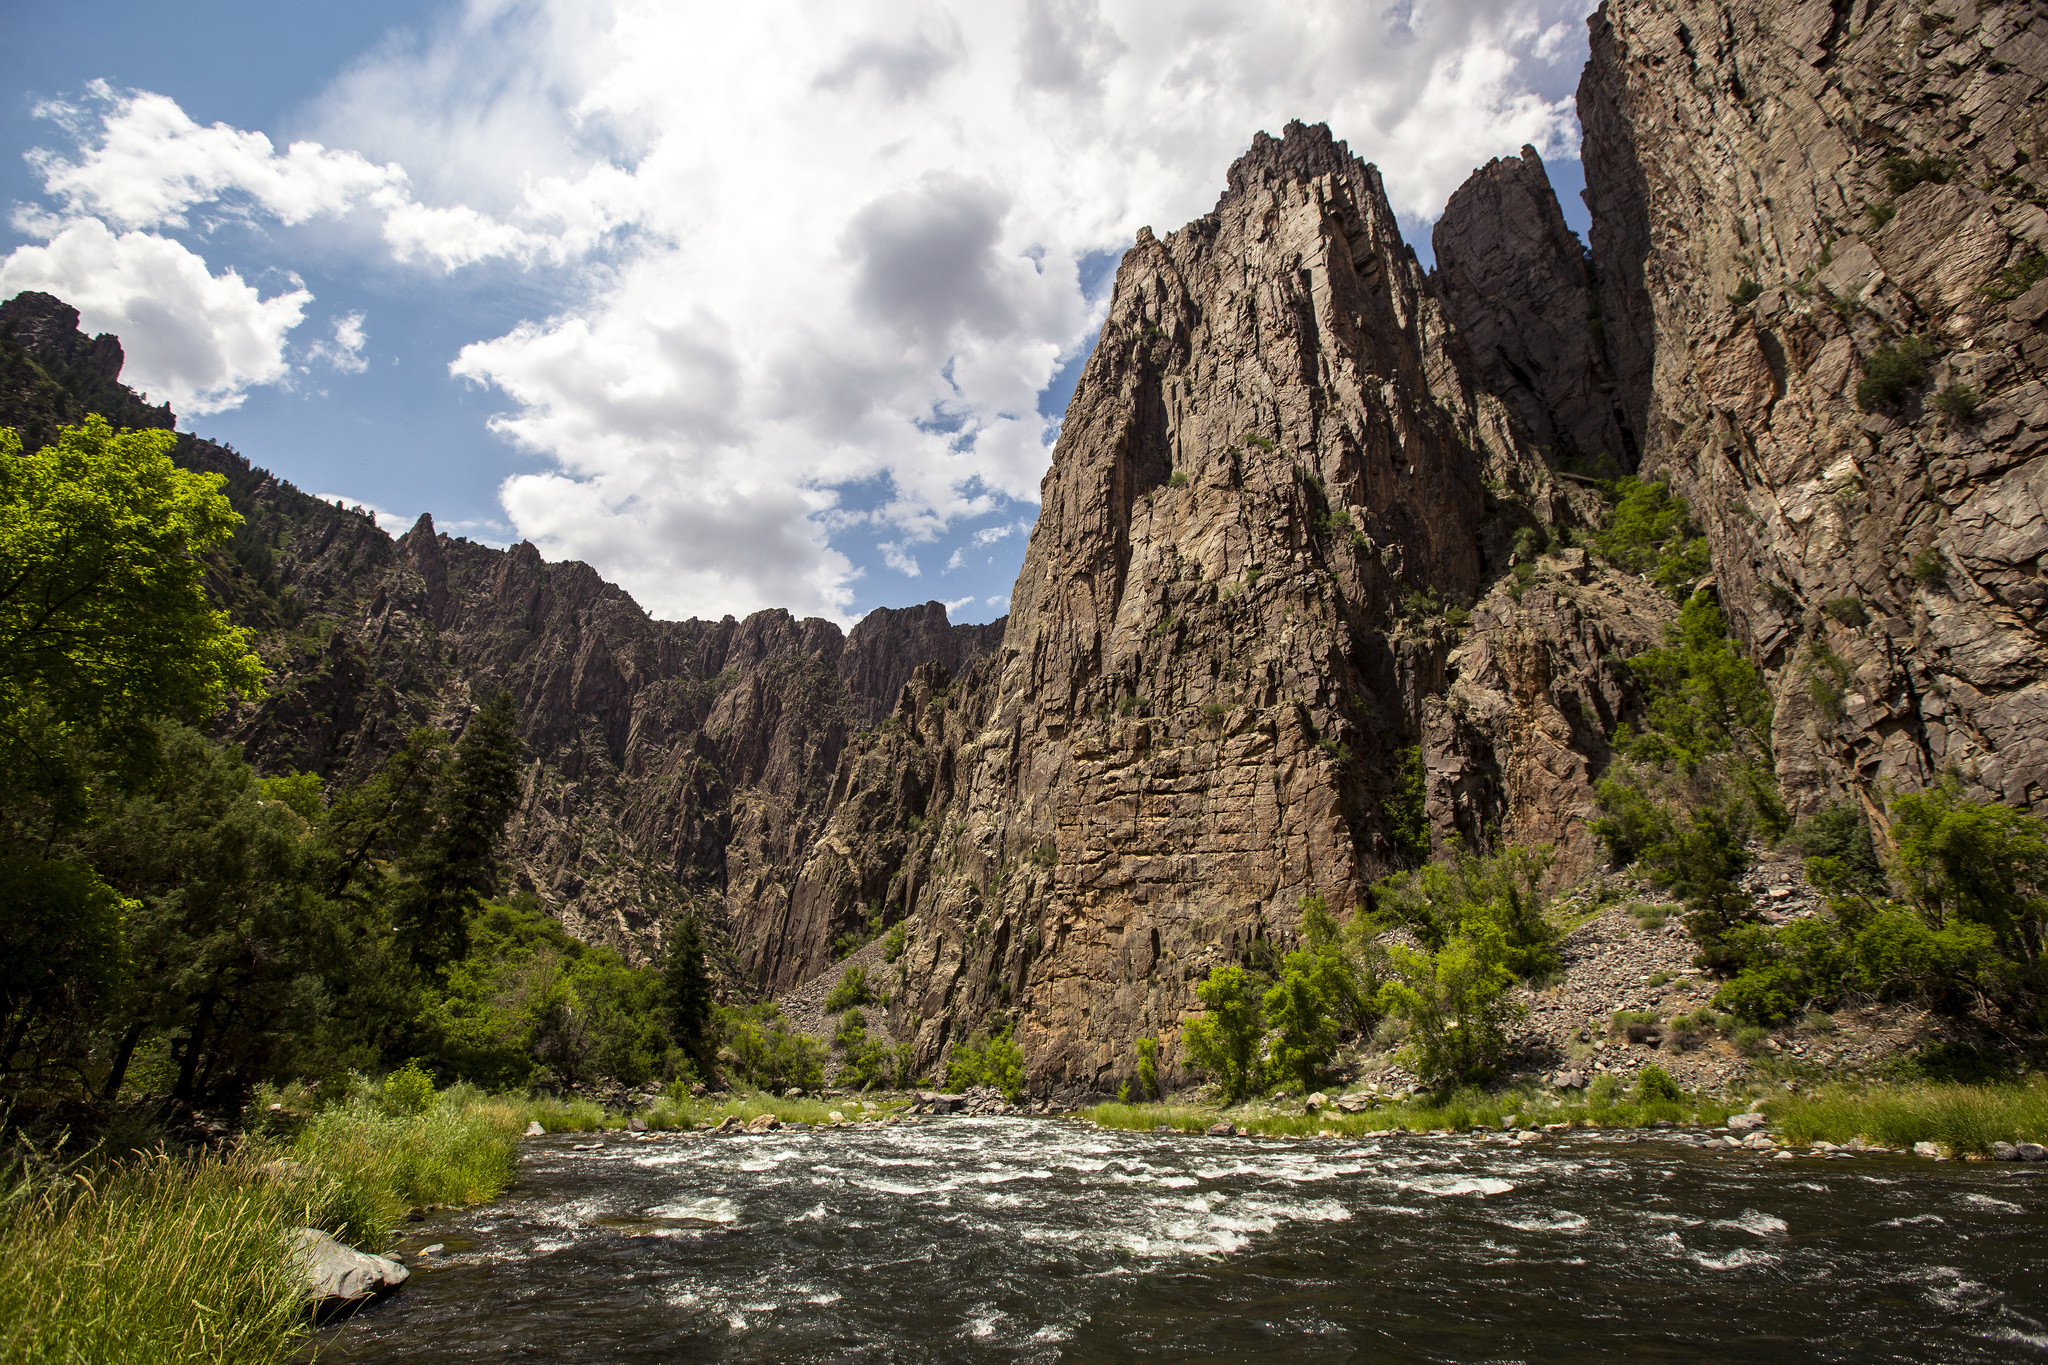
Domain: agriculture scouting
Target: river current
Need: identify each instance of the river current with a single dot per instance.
(1047, 1240)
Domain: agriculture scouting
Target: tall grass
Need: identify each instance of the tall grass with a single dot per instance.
(367, 1169)
(156, 1261)
(1963, 1118)
(162, 1260)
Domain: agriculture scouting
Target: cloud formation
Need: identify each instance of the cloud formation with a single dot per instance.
(823, 260)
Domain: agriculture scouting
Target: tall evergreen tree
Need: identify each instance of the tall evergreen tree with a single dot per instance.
(686, 989)
(451, 869)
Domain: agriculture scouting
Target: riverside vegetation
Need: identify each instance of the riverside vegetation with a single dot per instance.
(1951, 919)
(180, 938)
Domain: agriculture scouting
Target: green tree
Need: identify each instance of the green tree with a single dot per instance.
(1649, 532)
(1305, 1034)
(1704, 697)
(1449, 897)
(449, 871)
(104, 621)
(1148, 1068)
(1224, 1041)
(1455, 1002)
(687, 991)
(1976, 862)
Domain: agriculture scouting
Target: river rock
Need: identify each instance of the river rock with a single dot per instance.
(336, 1274)
(2031, 1151)
(533, 1129)
(1927, 1149)
(1569, 1080)
(763, 1123)
(2004, 1151)
(1222, 1130)
(1746, 1123)
(636, 1124)
(932, 1102)
(1315, 1101)
(835, 1117)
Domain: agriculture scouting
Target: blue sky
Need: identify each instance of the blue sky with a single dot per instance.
(763, 308)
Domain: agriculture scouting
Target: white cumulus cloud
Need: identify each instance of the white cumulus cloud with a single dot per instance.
(823, 260)
(194, 338)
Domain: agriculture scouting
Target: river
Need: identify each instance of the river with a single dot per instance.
(1047, 1240)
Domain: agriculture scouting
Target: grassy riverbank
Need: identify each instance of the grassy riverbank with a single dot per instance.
(158, 1260)
(1964, 1119)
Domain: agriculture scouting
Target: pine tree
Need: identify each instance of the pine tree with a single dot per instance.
(686, 988)
(456, 864)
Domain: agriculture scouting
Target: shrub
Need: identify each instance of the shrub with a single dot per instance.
(1850, 611)
(765, 1051)
(1902, 173)
(893, 943)
(1224, 1040)
(1881, 212)
(1650, 532)
(866, 1062)
(1179, 479)
(1148, 1069)
(850, 990)
(1638, 1026)
(1454, 1002)
(2018, 278)
(1890, 372)
(1704, 697)
(1655, 1086)
(1746, 293)
(1407, 806)
(1928, 568)
(1305, 1032)
(1958, 403)
(982, 1060)
(407, 1090)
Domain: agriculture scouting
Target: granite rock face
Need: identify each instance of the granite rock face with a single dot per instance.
(1784, 193)
(1279, 467)
(1517, 283)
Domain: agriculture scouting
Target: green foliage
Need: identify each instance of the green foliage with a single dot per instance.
(299, 793)
(1407, 805)
(893, 943)
(1927, 568)
(1654, 1085)
(851, 989)
(1958, 402)
(1704, 698)
(1892, 371)
(981, 1060)
(446, 874)
(1902, 173)
(1305, 1034)
(686, 992)
(1850, 611)
(1966, 934)
(1148, 1069)
(1881, 212)
(2018, 278)
(406, 1091)
(1453, 896)
(763, 1050)
(1649, 532)
(1179, 479)
(1746, 293)
(104, 621)
(1961, 1118)
(865, 1061)
(1841, 857)
(1224, 1041)
(1454, 1002)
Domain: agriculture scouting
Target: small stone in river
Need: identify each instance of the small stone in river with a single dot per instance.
(636, 1124)
(1781, 1154)
(434, 1250)
(2004, 1151)
(1510, 1122)
(1746, 1123)
(2032, 1151)
(835, 1117)
(764, 1123)
(1222, 1130)
(533, 1129)
(1927, 1149)
(588, 1147)
(336, 1273)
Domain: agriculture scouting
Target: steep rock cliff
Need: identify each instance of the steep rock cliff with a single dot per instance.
(1787, 196)
(1279, 468)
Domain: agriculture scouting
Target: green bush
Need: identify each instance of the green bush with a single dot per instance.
(762, 1049)
(1148, 1069)
(2018, 278)
(1928, 568)
(1650, 532)
(893, 943)
(981, 1060)
(1850, 611)
(1455, 895)
(1407, 806)
(851, 989)
(1746, 293)
(1902, 173)
(1890, 372)
(1654, 1086)
(1704, 698)
(1224, 1040)
(406, 1091)
(1958, 402)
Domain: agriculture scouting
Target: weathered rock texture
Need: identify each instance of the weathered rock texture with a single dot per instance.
(1759, 239)
(1519, 286)
(1278, 467)
(673, 764)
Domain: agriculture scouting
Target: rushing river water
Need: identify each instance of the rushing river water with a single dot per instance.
(1036, 1240)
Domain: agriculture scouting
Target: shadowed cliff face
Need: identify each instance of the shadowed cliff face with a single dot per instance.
(1877, 171)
